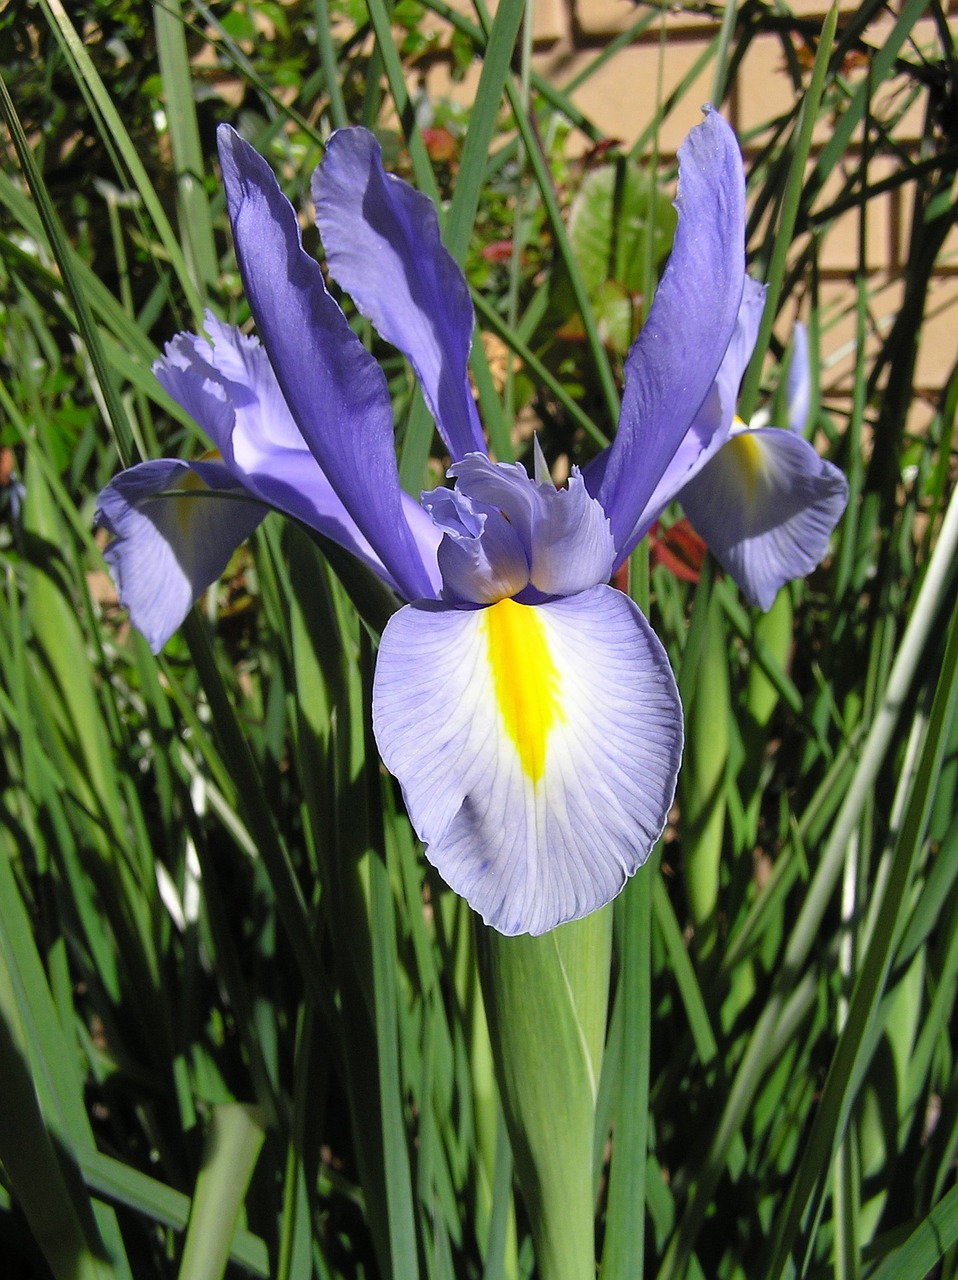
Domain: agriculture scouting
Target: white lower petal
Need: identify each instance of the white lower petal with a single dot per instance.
(537, 748)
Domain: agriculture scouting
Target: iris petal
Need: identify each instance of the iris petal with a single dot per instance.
(573, 547)
(382, 246)
(766, 505)
(481, 557)
(734, 362)
(230, 389)
(167, 550)
(334, 388)
(537, 748)
(673, 362)
(713, 422)
(565, 532)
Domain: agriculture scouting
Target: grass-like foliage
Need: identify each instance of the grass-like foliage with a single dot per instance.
(241, 1028)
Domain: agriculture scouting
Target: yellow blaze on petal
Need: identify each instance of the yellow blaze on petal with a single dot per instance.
(524, 679)
(748, 457)
(192, 483)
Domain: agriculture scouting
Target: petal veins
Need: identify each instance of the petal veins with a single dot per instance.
(535, 807)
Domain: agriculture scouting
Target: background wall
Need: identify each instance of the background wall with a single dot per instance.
(671, 58)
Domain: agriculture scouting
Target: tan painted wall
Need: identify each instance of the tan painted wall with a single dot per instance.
(621, 98)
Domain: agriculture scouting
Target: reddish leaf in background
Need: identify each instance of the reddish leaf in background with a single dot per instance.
(440, 145)
(678, 549)
(497, 251)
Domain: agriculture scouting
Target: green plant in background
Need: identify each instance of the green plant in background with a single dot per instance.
(207, 895)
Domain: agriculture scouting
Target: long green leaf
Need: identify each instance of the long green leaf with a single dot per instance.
(230, 1152)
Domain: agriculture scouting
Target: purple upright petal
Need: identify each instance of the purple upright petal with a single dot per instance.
(174, 526)
(710, 430)
(335, 390)
(231, 391)
(717, 414)
(673, 362)
(382, 246)
(766, 505)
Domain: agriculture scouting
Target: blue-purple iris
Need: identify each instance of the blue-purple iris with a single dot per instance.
(526, 708)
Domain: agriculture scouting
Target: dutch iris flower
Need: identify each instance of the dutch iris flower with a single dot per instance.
(526, 708)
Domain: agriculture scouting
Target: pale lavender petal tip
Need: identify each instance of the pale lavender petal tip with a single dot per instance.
(481, 557)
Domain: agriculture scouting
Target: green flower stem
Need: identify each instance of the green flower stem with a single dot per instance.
(546, 1001)
(705, 694)
(774, 630)
(623, 1250)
